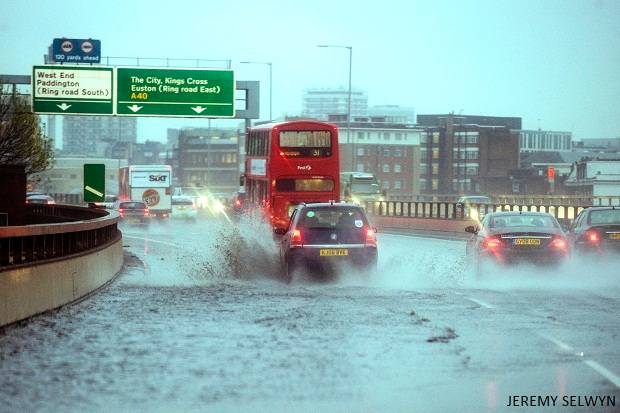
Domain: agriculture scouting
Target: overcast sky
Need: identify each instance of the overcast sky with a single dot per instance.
(553, 63)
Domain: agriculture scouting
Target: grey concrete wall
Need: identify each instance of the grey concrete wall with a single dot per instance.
(28, 291)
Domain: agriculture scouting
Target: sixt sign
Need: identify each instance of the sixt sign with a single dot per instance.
(76, 51)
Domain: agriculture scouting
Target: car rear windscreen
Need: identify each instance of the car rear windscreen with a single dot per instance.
(182, 202)
(330, 218)
(133, 205)
(605, 216)
(516, 220)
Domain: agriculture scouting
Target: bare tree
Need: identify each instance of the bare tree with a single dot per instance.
(21, 139)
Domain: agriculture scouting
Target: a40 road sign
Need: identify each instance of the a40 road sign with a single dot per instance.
(175, 92)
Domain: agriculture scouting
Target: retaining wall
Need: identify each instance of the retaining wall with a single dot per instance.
(34, 289)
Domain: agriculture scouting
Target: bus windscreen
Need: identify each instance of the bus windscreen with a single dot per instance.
(305, 143)
(304, 185)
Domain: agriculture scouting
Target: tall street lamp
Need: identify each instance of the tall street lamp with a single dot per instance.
(349, 100)
(270, 84)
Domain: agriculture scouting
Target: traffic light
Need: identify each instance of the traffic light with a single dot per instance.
(551, 173)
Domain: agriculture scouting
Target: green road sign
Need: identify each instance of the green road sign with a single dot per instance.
(94, 182)
(175, 92)
(72, 90)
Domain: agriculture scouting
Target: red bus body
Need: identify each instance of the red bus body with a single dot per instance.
(291, 162)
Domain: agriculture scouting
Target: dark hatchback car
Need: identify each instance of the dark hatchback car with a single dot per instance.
(324, 236)
(133, 211)
(596, 230)
(515, 237)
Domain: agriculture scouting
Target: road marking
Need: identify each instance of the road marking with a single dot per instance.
(479, 302)
(615, 380)
(603, 372)
(557, 342)
(93, 190)
(153, 240)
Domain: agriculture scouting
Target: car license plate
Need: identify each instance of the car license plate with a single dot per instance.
(614, 236)
(527, 241)
(333, 252)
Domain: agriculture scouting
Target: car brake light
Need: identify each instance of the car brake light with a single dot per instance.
(296, 240)
(146, 212)
(491, 243)
(593, 236)
(370, 237)
(237, 202)
(558, 243)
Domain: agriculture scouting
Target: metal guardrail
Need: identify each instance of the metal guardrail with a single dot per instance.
(453, 210)
(576, 200)
(74, 199)
(86, 230)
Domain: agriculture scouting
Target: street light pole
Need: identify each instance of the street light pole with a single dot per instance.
(349, 141)
(270, 84)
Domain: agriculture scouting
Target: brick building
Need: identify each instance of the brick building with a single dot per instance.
(468, 154)
(390, 151)
(207, 158)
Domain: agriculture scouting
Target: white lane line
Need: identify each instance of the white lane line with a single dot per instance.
(615, 380)
(563, 346)
(603, 372)
(153, 240)
(479, 302)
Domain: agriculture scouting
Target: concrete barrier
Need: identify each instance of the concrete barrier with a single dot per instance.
(34, 289)
(443, 228)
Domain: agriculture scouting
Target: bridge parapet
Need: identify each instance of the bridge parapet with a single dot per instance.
(49, 264)
(59, 231)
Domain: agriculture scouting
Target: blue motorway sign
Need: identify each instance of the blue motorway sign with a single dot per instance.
(76, 51)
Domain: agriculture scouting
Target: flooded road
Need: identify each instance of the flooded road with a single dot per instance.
(199, 320)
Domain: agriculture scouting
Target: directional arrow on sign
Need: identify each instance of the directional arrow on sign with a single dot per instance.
(134, 108)
(64, 106)
(198, 109)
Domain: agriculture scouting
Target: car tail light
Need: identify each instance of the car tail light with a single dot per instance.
(146, 212)
(237, 202)
(558, 244)
(121, 210)
(370, 237)
(593, 237)
(491, 243)
(296, 239)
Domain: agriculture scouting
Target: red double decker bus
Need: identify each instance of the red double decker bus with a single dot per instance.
(291, 162)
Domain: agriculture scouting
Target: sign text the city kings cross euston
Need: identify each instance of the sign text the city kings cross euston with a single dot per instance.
(175, 92)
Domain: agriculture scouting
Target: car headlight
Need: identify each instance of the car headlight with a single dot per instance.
(473, 214)
(218, 206)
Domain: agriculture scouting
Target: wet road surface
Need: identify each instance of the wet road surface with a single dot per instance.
(198, 320)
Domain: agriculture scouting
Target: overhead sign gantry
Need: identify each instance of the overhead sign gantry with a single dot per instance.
(133, 91)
